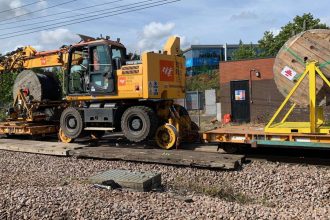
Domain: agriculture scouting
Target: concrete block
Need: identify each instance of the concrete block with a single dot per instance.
(210, 110)
(210, 97)
(141, 181)
(219, 114)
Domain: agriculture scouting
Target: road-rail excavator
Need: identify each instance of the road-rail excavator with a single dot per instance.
(104, 91)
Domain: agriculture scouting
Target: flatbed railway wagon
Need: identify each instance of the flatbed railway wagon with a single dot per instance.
(307, 55)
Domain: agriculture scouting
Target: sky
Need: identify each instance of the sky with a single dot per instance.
(195, 21)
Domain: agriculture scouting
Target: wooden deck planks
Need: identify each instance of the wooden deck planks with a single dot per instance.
(168, 157)
(192, 158)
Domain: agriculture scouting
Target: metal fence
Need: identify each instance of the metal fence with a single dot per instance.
(195, 100)
(200, 104)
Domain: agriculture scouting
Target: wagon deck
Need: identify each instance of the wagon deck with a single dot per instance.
(256, 136)
(27, 128)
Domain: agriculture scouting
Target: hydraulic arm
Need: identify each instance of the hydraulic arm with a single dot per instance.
(28, 58)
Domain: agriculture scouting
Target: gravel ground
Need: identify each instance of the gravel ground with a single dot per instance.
(46, 187)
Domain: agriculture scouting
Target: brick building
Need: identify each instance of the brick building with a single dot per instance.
(248, 91)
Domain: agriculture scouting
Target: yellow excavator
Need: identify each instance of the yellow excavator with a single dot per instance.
(104, 91)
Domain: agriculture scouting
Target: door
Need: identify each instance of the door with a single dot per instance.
(240, 101)
(101, 70)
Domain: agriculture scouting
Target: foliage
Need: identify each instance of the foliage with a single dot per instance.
(59, 73)
(244, 51)
(6, 85)
(203, 81)
(271, 44)
(2, 114)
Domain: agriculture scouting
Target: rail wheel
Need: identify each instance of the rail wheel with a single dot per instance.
(166, 136)
(71, 123)
(139, 123)
(63, 138)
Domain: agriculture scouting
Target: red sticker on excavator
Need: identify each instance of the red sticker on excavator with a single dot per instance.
(43, 60)
(122, 80)
(166, 70)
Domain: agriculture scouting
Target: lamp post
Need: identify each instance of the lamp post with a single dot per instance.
(257, 73)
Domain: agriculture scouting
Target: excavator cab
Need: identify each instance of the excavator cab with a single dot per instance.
(92, 68)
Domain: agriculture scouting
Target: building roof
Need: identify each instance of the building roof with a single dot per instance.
(248, 59)
(206, 46)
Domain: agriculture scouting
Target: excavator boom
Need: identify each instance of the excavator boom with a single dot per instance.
(28, 58)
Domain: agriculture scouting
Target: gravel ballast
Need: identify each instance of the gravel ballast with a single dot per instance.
(47, 187)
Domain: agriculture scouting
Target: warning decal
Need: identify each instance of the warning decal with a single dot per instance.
(288, 73)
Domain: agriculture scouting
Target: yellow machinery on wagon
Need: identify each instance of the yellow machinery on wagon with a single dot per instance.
(105, 91)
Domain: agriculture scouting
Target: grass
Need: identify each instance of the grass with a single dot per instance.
(223, 191)
(264, 201)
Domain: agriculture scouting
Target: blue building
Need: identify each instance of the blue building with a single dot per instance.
(203, 58)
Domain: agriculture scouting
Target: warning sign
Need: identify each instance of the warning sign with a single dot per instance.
(288, 73)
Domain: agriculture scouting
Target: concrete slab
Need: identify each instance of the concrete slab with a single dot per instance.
(141, 181)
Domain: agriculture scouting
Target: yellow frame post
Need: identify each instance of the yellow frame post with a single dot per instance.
(312, 96)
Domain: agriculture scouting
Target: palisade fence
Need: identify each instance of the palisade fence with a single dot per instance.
(195, 100)
(200, 103)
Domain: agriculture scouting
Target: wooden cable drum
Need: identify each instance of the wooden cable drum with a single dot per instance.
(311, 45)
(38, 86)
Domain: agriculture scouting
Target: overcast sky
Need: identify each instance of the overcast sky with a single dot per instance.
(196, 21)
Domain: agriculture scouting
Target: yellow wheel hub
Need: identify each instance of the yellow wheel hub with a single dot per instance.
(166, 136)
(63, 138)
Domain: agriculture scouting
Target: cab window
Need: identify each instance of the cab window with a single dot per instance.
(100, 59)
(100, 68)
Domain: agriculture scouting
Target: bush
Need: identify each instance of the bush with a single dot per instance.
(203, 81)
(6, 87)
(2, 114)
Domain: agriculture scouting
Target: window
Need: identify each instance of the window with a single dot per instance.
(101, 74)
(117, 53)
(100, 59)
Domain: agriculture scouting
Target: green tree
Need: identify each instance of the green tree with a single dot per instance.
(244, 51)
(203, 81)
(6, 85)
(271, 44)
